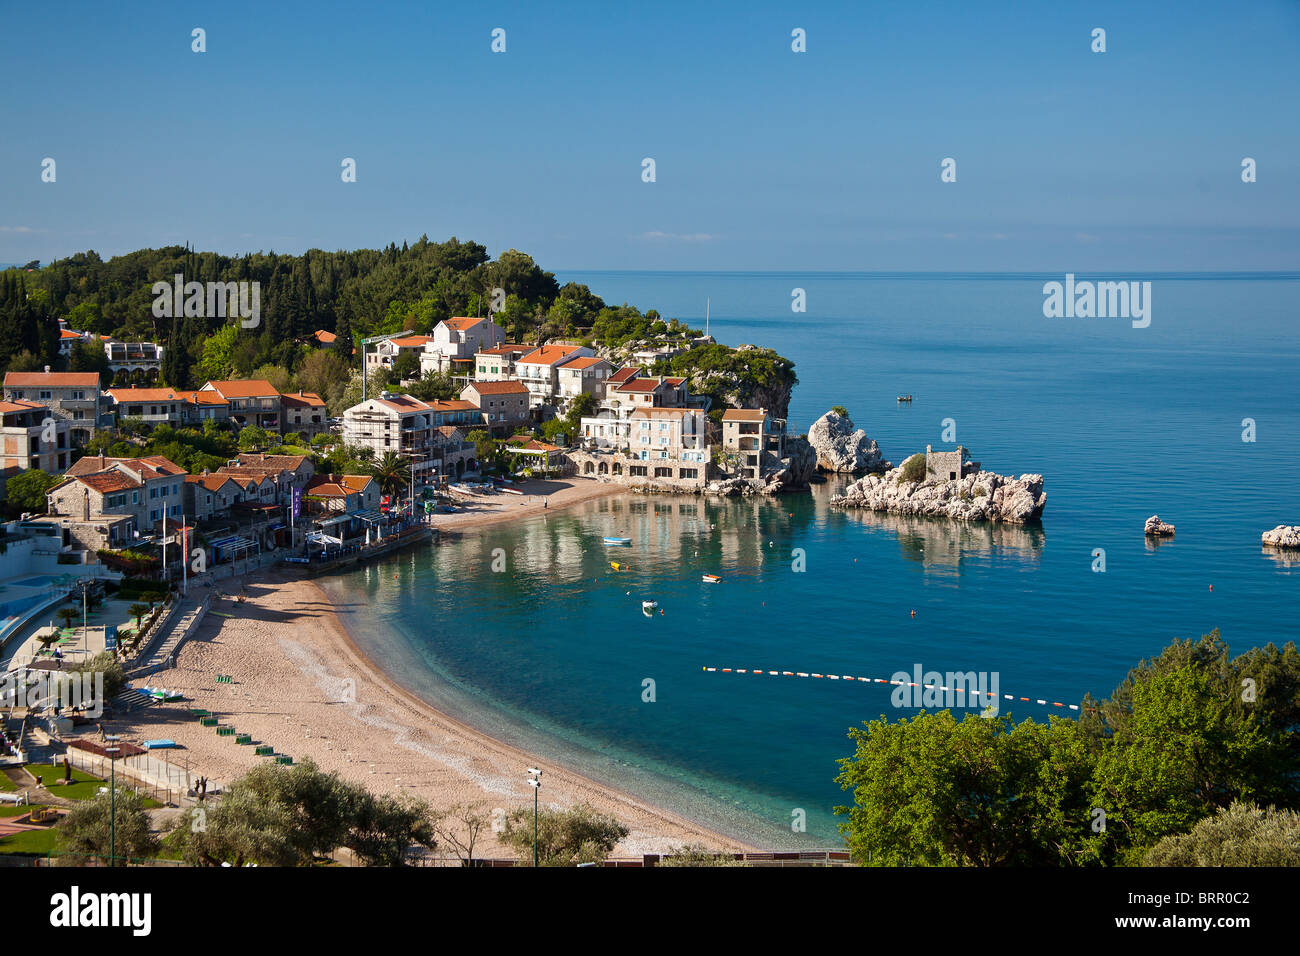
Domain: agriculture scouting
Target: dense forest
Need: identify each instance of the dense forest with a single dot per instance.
(354, 294)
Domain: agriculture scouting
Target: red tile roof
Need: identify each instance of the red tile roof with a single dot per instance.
(625, 373)
(52, 379)
(548, 354)
(506, 387)
(411, 341)
(744, 415)
(506, 349)
(20, 405)
(106, 482)
(243, 388)
(583, 362)
(302, 400)
(146, 395)
(461, 323)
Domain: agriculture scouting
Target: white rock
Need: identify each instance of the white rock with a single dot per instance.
(841, 448)
(1283, 536)
(983, 496)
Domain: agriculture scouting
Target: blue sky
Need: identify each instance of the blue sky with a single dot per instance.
(766, 159)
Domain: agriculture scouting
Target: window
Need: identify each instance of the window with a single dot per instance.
(44, 394)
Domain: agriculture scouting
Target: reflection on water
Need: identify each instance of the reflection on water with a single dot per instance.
(1286, 557)
(939, 543)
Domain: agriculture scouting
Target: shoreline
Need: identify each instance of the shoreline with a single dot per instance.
(290, 636)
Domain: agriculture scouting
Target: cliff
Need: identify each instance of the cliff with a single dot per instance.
(983, 496)
(840, 447)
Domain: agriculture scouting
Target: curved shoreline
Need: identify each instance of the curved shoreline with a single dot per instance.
(304, 685)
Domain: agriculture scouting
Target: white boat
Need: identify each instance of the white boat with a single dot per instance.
(712, 578)
(620, 541)
(649, 606)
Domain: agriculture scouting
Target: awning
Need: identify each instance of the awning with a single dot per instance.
(330, 522)
(370, 517)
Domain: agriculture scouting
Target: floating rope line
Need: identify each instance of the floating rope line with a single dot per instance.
(881, 680)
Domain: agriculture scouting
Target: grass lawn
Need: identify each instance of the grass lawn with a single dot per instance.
(30, 841)
(83, 787)
(8, 811)
(7, 784)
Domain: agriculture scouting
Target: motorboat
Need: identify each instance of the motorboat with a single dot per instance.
(712, 578)
(618, 541)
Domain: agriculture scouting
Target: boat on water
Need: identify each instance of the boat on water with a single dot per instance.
(712, 578)
(619, 567)
(649, 607)
(904, 398)
(617, 540)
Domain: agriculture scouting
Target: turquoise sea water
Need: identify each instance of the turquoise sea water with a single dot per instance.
(1122, 422)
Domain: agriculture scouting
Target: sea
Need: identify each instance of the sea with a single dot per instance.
(526, 632)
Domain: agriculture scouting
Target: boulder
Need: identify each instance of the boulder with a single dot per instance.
(842, 448)
(1283, 536)
(1157, 528)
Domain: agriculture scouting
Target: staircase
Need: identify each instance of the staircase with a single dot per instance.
(178, 627)
(131, 699)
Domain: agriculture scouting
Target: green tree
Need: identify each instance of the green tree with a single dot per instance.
(88, 830)
(138, 611)
(564, 837)
(913, 469)
(406, 365)
(26, 491)
(485, 446)
(252, 438)
(217, 362)
(393, 473)
(107, 664)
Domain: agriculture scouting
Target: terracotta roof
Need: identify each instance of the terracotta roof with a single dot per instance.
(402, 403)
(623, 374)
(211, 482)
(453, 405)
(243, 388)
(106, 482)
(304, 399)
(19, 405)
(548, 354)
(338, 486)
(583, 362)
(508, 386)
(152, 466)
(51, 379)
(325, 337)
(506, 349)
(448, 431)
(147, 395)
(744, 415)
(648, 384)
(461, 323)
(69, 334)
(287, 462)
(261, 473)
(195, 397)
(411, 341)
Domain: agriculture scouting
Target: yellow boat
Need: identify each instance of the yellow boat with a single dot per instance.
(619, 567)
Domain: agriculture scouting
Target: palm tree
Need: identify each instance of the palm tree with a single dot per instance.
(68, 614)
(393, 473)
(138, 611)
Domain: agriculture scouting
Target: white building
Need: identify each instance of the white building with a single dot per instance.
(539, 370)
(394, 422)
(455, 342)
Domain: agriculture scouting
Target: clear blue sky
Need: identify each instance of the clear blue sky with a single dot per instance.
(766, 159)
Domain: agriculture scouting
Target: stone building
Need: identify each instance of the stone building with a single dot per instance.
(949, 465)
(73, 396)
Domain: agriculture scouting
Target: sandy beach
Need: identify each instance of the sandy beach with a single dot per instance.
(301, 685)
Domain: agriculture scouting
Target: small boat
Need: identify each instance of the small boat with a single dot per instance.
(712, 578)
(619, 567)
(904, 398)
(649, 607)
(617, 540)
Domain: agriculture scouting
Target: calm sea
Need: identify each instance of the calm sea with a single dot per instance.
(555, 653)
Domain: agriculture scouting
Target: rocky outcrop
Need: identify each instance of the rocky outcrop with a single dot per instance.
(734, 487)
(842, 448)
(983, 496)
(1158, 529)
(792, 472)
(1283, 536)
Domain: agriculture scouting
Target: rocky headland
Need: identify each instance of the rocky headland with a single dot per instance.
(1283, 536)
(982, 496)
(1157, 528)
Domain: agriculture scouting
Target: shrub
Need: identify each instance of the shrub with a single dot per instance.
(913, 469)
(840, 410)
(980, 491)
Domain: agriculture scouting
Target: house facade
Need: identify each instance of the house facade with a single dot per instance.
(26, 441)
(303, 412)
(396, 423)
(456, 342)
(73, 396)
(250, 402)
(539, 370)
(750, 433)
(504, 405)
(498, 364)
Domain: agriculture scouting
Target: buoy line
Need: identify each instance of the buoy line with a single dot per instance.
(881, 680)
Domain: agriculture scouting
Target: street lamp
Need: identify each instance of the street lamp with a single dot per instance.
(535, 781)
(112, 802)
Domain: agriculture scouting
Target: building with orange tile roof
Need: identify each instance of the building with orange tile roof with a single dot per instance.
(30, 437)
(455, 343)
(73, 396)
